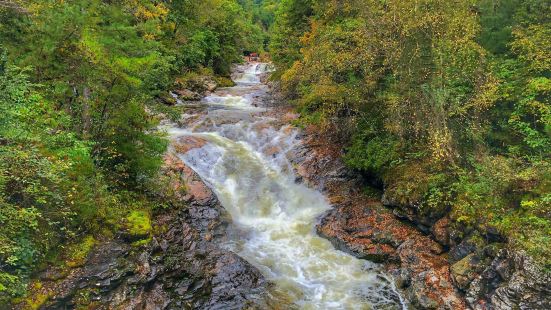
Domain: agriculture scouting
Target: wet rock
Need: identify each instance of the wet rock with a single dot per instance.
(431, 284)
(168, 99)
(363, 231)
(440, 231)
(512, 281)
(235, 283)
(187, 143)
(188, 95)
(402, 277)
(318, 169)
(184, 267)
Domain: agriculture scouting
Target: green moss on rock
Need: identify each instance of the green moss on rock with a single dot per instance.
(138, 225)
(78, 252)
(223, 81)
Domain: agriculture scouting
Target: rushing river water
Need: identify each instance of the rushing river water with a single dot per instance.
(273, 216)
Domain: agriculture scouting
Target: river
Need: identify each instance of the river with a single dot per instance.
(245, 163)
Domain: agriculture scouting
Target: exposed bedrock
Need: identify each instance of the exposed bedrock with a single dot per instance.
(437, 263)
(184, 267)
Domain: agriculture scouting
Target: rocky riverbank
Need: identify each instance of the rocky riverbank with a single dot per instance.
(183, 267)
(433, 262)
(364, 228)
(436, 263)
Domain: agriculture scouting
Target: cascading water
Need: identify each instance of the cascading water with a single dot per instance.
(245, 163)
(252, 73)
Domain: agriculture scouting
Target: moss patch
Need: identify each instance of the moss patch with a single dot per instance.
(138, 225)
(77, 253)
(141, 242)
(223, 81)
(36, 299)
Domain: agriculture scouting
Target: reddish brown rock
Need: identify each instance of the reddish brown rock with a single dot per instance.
(440, 231)
(187, 143)
(289, 117)
(184, 183)
(184, 266)
(365, 228)
(272, 151)
(359, 230)
(196, 189)
(370, 231)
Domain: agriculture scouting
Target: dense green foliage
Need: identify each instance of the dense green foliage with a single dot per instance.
(262, 13)
(291, 24)
(78, 151)
(447, 103)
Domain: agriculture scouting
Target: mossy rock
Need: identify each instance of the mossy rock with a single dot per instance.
(78, 252)
(137, 226)
(168, 99)
(493, 249)
(36, 297)
(463, 271)
(36, 301)
(223, 81)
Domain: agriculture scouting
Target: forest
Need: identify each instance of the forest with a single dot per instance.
(77, 149)
(447, 104)
(440, 105)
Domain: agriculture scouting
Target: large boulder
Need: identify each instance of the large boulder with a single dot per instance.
(208, 83)
(474, 242)
(422, 218)
(195, 87)
(466, 270)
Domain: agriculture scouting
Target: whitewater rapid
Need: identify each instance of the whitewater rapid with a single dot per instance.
(245, 163)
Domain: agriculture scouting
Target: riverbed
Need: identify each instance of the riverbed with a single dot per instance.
(245, 161)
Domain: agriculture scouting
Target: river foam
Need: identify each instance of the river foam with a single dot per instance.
(274, 217)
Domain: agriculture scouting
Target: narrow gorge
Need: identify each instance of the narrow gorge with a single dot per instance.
(244, 158)
(270, 218)
(275, 154)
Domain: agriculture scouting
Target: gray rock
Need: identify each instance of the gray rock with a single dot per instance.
(188, 95)
(466, 247)
(463, 271)
(512, 281)
(187, 269)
